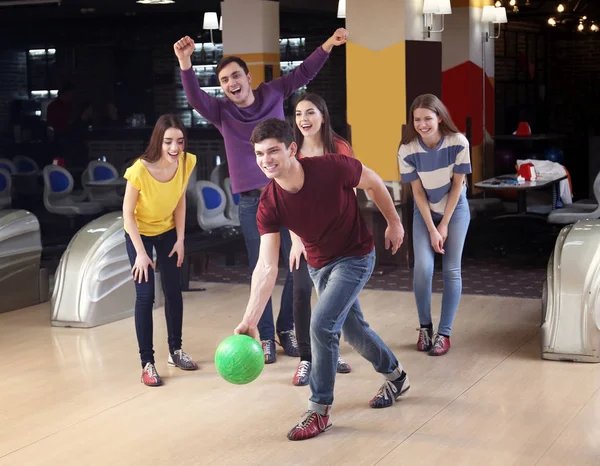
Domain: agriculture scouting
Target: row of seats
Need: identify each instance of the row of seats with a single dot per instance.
(213, 201)
(20, 165)
(59, 196)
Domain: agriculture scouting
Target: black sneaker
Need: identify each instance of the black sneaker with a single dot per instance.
(390, 391)
(268, 347)
(425, 341)
(288, 342)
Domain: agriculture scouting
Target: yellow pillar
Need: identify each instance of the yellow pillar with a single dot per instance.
(389, 61)
(251, 32)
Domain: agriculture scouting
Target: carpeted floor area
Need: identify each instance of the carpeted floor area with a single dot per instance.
(493, 275)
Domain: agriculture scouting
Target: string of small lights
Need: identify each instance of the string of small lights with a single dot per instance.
(564, 16)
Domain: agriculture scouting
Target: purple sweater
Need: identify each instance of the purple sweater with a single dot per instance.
(236, 124)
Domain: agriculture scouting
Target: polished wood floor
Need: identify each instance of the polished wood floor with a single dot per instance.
(73, 396)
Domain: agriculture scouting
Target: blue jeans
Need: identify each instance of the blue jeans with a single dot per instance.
(248, 208)
(338, 285)
(170, 276)
(451, 264)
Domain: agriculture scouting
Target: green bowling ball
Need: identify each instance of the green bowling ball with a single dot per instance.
(239, 359)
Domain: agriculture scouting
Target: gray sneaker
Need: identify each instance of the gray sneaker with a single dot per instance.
(342, 366)
(182, 360)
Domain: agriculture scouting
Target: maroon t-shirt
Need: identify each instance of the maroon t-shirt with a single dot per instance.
(324, 213)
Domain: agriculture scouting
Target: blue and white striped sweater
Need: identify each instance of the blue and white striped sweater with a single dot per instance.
(435, 167)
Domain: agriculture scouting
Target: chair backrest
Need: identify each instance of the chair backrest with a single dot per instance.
(8, 165)
(5, 188)
(58, 182)
(26, 165)
(233, 201)
(190, 190)
(214, 175)
(219, 173)
(211, 205)
(101, 171)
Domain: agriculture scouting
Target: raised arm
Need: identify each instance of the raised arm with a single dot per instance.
(205, 105)
(309, 68)
(263, 282)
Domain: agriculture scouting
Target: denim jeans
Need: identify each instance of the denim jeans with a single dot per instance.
(144, 293)
(338, 285)
(285, 321)
(451, 264)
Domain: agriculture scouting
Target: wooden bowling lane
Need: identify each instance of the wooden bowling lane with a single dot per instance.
(73, 396)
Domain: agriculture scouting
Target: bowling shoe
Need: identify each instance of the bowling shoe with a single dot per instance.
(182, 360)
(311, 425)
(390, 391)
(441, 345)
(150, 377)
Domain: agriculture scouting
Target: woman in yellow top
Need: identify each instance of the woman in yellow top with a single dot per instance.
(154, 218)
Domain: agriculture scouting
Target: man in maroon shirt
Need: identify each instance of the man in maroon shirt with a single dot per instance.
(314, 198)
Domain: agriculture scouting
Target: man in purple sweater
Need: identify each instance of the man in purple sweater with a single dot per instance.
(236, 117)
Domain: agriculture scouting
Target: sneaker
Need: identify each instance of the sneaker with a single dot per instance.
(441, 345)
(182, 360)
(390, 391)
(311, 425)
(150, 377)
(425, 341)
(342, 366)
(268, 347)
(287, 340)
(302, 374)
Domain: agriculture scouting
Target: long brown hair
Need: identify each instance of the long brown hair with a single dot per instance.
(153, 152)
(328, 135)
(429, 102)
